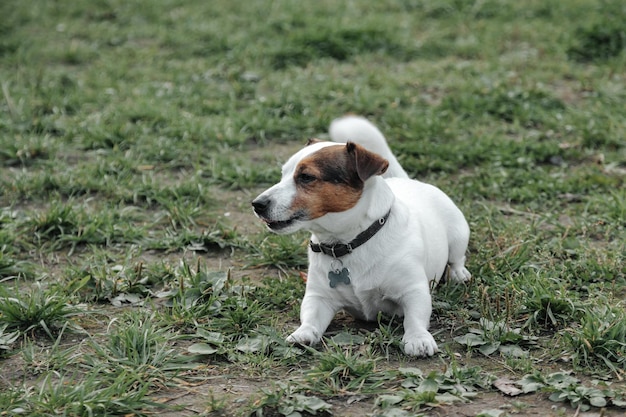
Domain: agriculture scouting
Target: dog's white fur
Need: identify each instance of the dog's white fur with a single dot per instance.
(393, 271)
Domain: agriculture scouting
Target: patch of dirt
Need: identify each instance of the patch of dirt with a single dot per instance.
(236, 210)
(232, 394)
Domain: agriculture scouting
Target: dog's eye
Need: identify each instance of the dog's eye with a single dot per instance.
(304, 178)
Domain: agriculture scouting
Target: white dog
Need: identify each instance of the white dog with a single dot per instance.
(378, 238)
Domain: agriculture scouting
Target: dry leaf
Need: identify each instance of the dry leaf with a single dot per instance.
(506, 386)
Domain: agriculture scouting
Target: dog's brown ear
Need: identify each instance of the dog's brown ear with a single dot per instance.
(367, 163)
(312, 141)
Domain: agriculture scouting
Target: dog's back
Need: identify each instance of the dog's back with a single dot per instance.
(360, 130)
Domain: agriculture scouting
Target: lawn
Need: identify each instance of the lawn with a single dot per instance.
(135, 280)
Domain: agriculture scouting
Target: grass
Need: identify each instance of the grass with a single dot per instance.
(36, 309)
(134, 278)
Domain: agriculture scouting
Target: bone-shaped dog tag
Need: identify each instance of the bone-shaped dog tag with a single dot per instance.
(338, 274)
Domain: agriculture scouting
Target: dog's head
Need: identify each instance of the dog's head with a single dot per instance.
(322, 178)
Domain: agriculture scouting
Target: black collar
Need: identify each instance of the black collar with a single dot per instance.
(338, 250)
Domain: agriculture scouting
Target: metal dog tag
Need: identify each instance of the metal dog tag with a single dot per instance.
(338, 274)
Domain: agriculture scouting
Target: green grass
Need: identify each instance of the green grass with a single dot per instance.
(134, 134)
(35, 309)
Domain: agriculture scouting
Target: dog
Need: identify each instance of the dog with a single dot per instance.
(378, 238)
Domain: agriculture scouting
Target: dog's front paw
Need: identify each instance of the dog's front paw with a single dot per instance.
(422, 344)
(304, 335)
(459, 274)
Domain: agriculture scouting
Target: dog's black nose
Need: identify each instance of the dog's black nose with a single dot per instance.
(260, 205)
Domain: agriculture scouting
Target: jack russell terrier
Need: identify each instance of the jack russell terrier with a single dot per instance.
(378, 238)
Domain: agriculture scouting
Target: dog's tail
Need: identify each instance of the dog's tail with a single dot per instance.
(360, 130)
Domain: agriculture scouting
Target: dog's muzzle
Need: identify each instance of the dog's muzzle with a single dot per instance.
(263, 209)
(261, 206)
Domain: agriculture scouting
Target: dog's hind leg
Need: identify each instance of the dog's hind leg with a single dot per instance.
(456, 254)
(458, 272)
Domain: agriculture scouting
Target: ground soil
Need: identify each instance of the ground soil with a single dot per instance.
(233, 387)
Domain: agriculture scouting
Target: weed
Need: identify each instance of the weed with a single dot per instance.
(202, 289)
(216, 404)
(563, 386)
(237, 175)
(61, 219)
(510, 105)
(549, 307)
(241, 315)
(280, 251)
(137, 347)
(13, 268)
(496, 336)
(106, 282)
(122, 394)
(217, 237)
(25, 153)
(386, 339)
(600, 338)
(6, 339)
(339, 44)
(281, 294)
(287, 401)
(65, 226)
(35, 309)
(419, 390)
(212, 343)
(599, 42)
(14, 400)
(341, 369)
